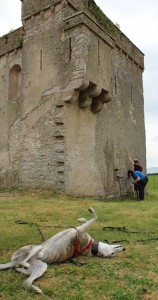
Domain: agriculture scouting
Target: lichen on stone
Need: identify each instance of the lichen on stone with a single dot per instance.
(101, 18)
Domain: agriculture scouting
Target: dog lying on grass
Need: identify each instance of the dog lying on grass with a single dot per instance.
(32, 260)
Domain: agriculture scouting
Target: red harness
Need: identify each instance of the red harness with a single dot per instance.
(76, 253)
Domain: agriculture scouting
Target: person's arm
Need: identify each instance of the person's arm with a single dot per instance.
(130, 159)
(135, 181)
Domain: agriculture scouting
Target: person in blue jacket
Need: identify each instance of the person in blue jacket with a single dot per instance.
(140, 179)
(137, 167)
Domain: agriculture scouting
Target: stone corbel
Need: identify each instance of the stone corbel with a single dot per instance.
(70, 95)
(88, 94)
(98, 102)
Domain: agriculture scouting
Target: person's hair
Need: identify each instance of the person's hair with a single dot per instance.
(136, 160)
(129, 173)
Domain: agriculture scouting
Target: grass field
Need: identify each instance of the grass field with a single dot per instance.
(153, 182)
(131, 275)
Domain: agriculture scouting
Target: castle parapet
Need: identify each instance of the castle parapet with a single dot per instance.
(11, 41)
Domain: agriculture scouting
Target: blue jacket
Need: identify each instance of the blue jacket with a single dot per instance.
(135, 175)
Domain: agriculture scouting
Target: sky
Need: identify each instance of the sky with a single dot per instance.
(138, 20)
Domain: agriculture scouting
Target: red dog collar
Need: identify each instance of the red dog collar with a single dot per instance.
(76, 253)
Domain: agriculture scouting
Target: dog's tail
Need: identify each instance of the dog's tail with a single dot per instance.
(7, 265)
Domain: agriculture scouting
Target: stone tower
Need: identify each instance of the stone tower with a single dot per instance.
(72, 100)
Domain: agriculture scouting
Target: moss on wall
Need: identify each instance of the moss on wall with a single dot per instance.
(101, 18)
(20, 40)
(11, 41)
(85, 2)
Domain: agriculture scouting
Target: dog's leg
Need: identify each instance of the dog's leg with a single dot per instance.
(32, 253)
(85, 226)
(7, 265)
(24, 271)
(37, 269)
(19, 256)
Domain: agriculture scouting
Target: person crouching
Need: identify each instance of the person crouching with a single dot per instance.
(140, 179)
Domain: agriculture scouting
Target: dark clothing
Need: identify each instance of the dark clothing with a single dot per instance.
(136, 190)
(141, 183)
(138, 167)
(141, 187)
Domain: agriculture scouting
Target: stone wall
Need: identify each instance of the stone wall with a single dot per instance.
(72, 102)
(11, 41)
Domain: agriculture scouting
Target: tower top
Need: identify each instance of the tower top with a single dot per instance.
(33, 7)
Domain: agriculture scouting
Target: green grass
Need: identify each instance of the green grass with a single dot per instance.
(153, 182)
(131, 275)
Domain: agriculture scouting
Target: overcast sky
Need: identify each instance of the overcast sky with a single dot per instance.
(138, 20)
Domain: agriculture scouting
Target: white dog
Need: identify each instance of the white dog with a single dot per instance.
(32, 260)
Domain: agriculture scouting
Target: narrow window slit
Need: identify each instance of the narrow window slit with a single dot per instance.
(99, 53)
(41, 59)
(70, 49)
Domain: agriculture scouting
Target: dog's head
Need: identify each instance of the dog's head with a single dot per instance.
(106, 250)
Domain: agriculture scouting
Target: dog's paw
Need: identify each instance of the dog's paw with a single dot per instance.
(30, 286)
(24, 264)
(91, 210)
(37, 290)
(82, 220)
